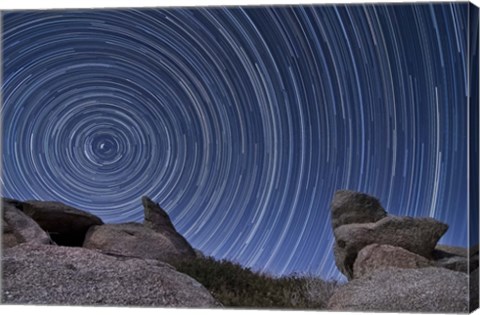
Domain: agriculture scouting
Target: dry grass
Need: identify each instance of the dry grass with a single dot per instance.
(236, 286)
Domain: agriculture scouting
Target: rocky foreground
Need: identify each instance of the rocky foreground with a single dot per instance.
(394, 263)
(56, 254)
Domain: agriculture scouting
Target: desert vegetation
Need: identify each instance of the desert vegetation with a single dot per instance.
(237, 286)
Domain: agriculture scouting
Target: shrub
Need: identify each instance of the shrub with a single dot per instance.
(236, 286)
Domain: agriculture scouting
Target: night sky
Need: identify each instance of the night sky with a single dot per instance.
(241, 122)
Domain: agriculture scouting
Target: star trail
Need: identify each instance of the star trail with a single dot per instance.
(241, 122)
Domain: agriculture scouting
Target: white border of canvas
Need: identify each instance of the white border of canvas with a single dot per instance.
(64, 4)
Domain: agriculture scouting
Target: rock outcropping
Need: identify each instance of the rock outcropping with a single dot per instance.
(158, 220)
(119, 264)
(65, 225)
(156, 238)
(418, 235)
(394, 263)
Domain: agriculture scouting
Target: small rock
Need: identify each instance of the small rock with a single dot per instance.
(354, 207)
(376, 257)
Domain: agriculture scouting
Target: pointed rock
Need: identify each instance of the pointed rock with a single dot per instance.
(158, 220)
(155, 217)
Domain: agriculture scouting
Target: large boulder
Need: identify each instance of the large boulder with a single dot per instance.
(353, 207)
(41, 274)
(133, 240)
(376, 257)
(158, 220)
(65, 225)
(417, 235)
(434, 290)
(19, 228)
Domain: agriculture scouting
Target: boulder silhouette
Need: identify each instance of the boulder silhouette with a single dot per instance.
(45, 274)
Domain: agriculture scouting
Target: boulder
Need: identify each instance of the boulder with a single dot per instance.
(19, 228)
(132, 240)
(353, 207)
(433, 290)
(41, 274)
(375, 257)
(65, 225)
(158, 220)
(417, 235)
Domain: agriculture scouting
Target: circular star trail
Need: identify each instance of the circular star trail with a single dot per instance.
(240, 122)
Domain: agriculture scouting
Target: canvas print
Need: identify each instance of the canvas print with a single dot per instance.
(320, 157)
